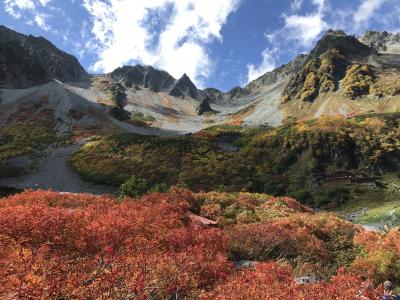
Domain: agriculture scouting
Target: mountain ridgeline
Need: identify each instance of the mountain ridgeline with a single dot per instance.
(339, 69)
(332, 110)
(28, 60)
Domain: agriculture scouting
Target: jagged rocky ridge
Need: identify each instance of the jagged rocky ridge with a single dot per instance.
(337, 58)
(384, 42)
(143, 76)
(27, 60)
(340, 65)
(184, 87)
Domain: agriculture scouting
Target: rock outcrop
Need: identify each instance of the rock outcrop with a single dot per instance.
(383, 42)
(205, 106)
(144, 76)
(278, 74)
(214, 95)
(26, 61)
(184, 87)
(347, 45)
(325, 66)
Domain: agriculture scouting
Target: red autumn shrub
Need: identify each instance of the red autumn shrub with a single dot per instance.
(273, 281)
(380, 255)
(79, 246)
(67, 246)
(274, 240)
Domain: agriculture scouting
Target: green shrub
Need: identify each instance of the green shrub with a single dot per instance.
(140, 117)
(134, 187)
(160, 188)
(277, 161)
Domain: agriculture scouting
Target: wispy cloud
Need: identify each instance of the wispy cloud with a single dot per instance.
(30, 10)
(40, 20)
(16, 7)
(303, 29)
(298, 33)
(366, 11)
(267, 64)
(170, 34)
(44, 2)
(296, 5)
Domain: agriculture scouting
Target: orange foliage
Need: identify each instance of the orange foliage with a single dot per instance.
(273, 281)
(67, 246)
(81, 246)
(275, 240)
(380, 260)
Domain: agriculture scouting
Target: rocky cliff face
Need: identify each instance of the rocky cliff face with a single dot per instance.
(184, 87)
(27, 61)
(342, 74)
(348, 45)
(383, 42)
(204, 106)
(326, 65)
(278, 74)
(144, 76)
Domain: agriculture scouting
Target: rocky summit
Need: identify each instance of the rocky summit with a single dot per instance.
(384, 42)
(26, 61)
(341, 74)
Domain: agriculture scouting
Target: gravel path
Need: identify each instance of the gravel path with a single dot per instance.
(54, 173)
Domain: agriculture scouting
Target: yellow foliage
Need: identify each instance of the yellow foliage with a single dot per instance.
(358, 81)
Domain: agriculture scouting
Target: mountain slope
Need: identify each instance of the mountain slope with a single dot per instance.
(26, 61)
(144, 77)
(383, 42)
(341, 75)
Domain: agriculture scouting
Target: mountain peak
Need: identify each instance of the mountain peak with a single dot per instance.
(347, 45)
(382, 41)
(334, 32)
(185, 78)
(184, 87)
(144, 76)
(27, 60)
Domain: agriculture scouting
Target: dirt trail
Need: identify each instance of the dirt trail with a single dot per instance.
(54, 173)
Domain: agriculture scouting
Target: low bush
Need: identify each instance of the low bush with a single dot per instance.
(60, 245)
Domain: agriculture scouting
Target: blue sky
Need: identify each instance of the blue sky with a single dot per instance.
(218, 43)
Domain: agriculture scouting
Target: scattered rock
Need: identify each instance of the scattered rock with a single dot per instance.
(243, 264)
(204, 106)
(306, 280)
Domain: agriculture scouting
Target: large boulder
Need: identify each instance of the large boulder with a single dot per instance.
(204, 106)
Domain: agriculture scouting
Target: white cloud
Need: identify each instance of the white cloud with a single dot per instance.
(44, 2)
(14, 7)
(298, 33)
(268, 64)
(169, 34)
(366, 11)
(296, 5)
(40, 20)
(306, 28)
(19, 8)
